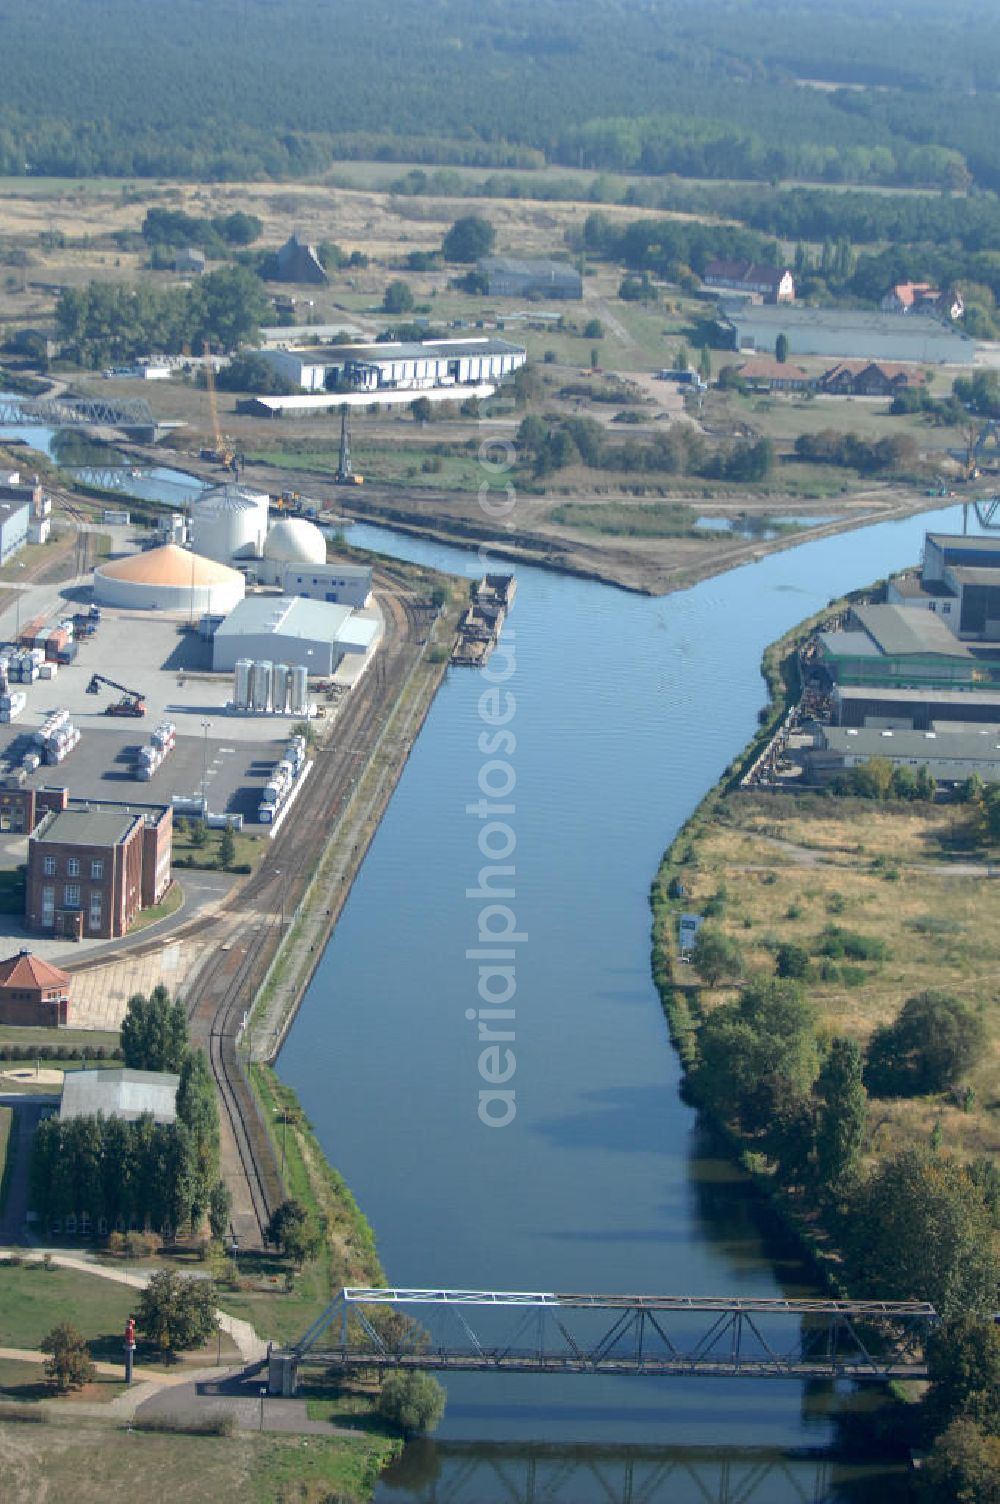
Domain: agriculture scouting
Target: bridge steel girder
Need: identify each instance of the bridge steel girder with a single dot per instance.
(738, 1337)
(77, 412)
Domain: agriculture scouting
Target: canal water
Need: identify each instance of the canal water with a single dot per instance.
(626, 711)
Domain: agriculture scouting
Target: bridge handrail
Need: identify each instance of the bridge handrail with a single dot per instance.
(359, 1295)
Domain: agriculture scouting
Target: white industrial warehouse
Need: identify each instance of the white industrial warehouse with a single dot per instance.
(169, 579)
(397, 366)
(295, 632)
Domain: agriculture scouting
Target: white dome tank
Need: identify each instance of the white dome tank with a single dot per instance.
(295, 541)
(229, 522)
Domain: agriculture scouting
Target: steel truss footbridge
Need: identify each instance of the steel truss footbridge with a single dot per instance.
(133, 414)
(502, 1331)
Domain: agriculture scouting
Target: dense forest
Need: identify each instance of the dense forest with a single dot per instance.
(714, 89)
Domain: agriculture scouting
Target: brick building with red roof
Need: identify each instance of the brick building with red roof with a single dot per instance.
(32, 992)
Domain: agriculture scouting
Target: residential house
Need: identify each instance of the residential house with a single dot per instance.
(761, 283)
(770, 375)
(870, 378)
(923, 297)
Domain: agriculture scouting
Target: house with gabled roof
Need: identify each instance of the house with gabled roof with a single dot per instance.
(761, 283)
(766, 374)
(871, 378)
(33, 993)
(923, 297)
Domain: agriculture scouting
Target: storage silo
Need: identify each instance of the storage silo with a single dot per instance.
(241, 684)
(300, 690)
(229, 522)
(260, 685)
(279, 688)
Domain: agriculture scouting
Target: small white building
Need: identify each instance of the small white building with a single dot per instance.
(343, 584)
(312, 634)
(125, 1094)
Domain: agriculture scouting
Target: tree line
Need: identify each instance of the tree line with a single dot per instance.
(123, 1174)
(916, 1224)
(681, 450)
(712, 91)
(107, 322)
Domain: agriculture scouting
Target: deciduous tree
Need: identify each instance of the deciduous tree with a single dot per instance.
(293, 1230)
(929, 1047)
(413, 1401)
(154, 1032)
(69, 1366)
(917, 1229)
(176, 1311)
(716, 956)
(843, 1113)
(468, 239)
(963, 1359)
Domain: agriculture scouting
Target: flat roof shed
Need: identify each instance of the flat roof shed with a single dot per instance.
(124, 1093)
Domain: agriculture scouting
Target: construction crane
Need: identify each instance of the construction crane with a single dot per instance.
(222, 454)
(132, 702)
(345, 475)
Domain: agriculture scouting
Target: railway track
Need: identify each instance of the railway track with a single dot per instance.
(227, 987)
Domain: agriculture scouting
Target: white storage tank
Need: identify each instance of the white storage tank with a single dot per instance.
(241, 683)
(279, 688)
(300, 690)
(229, 522)
(169, 579)
(261, 685)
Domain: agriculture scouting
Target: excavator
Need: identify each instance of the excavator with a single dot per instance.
(132, 702)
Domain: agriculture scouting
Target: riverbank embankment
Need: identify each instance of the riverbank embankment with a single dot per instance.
(833, 911)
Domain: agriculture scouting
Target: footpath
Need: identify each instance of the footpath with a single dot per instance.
(197, 1391)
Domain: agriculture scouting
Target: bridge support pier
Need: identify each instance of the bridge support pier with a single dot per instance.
(282, 1373)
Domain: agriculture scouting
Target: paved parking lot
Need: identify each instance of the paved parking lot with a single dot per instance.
(153, 654)
(99, 767)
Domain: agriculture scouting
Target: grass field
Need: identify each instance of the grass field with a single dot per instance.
(33, 1299)
(25, 1383)
(187, 853)
(45, 1039)
(787, 868)
(93, 1462)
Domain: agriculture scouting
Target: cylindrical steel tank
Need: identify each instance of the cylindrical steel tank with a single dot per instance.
(279, 688)
(229, 522)
(241, 683)
(300, 690)
(260, 686)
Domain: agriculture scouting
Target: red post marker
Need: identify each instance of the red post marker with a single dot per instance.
(129, 1348)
